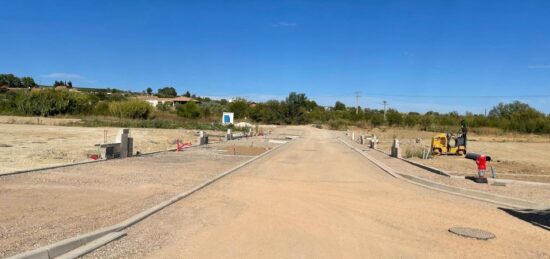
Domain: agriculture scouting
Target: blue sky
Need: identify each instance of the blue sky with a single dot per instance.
(474, 53)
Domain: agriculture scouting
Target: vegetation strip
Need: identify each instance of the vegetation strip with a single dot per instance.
(67, 245)
(166, 109)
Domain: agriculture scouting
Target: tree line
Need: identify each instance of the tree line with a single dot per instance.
(12, 81)
(295, 109)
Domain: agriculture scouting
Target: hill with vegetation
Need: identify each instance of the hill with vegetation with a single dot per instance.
(112, 107)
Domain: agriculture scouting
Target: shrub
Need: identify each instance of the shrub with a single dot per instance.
(189, 110)
(50, 102)
(101, 108)
(376, 120)
(132, 109)
(337, 124)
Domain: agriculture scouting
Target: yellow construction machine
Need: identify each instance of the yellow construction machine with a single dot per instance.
(450, 144)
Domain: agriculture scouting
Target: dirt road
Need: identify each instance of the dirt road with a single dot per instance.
(316, 198)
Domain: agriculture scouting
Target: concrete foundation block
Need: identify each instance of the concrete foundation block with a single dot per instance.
(122, 138)
(229, 135)
(373, 141)
(130, 147)
(395, 151)
(203, 138)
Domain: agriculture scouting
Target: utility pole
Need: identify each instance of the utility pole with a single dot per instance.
(385, 104)
(357, 95)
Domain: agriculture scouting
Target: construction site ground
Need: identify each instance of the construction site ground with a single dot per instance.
(516, 156)
(530, 192)
(317, 198)
(312, 198)
(25, 146)
(42, 207)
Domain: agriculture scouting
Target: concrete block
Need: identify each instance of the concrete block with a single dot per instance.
(395, 151)
(373, 141)
(122, 138)
(203, 138)
(229, 135)
(130, 147)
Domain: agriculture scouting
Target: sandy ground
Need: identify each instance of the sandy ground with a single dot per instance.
(40, 208)
(316, 198)
(24, 146)
(535, 193)
(517, 156)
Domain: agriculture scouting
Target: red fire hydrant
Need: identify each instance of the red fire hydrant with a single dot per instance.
(481, 163)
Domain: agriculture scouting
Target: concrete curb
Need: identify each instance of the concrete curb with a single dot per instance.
(65, 246)
(477, 195)
(89, 247)
(518, 182)
(382, 166)
(441, 172)
(425, 167)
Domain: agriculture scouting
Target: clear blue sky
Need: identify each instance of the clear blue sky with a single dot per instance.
(399, 51)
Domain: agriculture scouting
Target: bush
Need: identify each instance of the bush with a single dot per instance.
(101, 108)
(394, 117)
(337, 124)
(189, 110)
(376, 120)
(50, 102)
(132, 109)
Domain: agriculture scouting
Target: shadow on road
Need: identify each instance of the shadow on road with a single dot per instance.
(539, 218)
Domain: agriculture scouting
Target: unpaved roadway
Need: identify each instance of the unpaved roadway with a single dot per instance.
(316, 198)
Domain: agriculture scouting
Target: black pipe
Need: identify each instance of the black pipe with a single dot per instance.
(474, 156)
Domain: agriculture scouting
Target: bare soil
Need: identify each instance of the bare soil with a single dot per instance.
(516, 156)
(43, 207)
(244, 150)
(28, 146)
(316, 198)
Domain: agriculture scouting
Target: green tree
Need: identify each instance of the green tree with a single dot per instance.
(393, 117)
(10, 80)
(270, 112)
(426, 121)
(377, 119)
(296, 106)
(240, 107)
(507, 111)
(412, 119)
(59, 83)
(187, 94)
(339, 106)
(28, 82)
(167, 92)
(149, 91)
